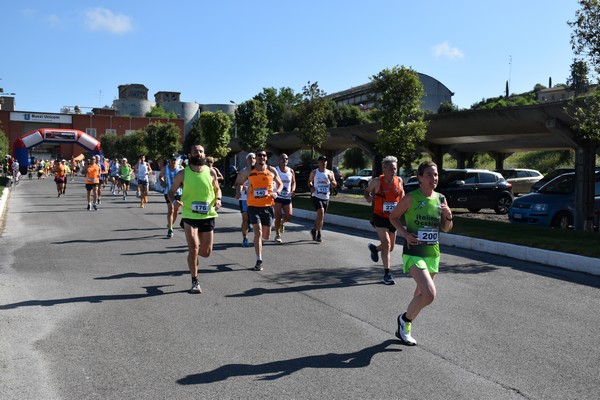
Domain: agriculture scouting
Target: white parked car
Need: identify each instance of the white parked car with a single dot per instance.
(361, 180)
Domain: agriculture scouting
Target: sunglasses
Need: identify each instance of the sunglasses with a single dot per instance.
(261, 155)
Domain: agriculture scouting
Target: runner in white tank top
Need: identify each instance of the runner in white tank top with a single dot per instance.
(320, 181)
(283, 202)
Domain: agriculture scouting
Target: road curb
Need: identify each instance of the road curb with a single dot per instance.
(571, 262)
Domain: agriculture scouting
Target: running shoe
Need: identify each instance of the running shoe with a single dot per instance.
(278, 238)
(374, 254)
(388, 279)
(99, 202)
(89, 207)
(95, 207)
(319, 237)
(403, 332)
(196, 288)
(258, 266)
(124, 197)
(313, 232)
(170, 233)
(245, 242)
(142, 205)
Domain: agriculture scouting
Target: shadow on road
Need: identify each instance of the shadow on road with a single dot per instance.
(278, 369)
(150, 292)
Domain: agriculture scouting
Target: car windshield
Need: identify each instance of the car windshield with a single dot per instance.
(564, 184)
(365, 172)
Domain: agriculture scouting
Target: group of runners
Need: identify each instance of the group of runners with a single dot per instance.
(265, 195)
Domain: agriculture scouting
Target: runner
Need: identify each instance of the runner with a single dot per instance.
(60, 176)
(92, 179)
(210, 161)
(242, 197)
(200, 200)
(263, 179)
(113, 172)
(320, 182)
(384, 191)
(143, 170)
(426, 212)
(166, 178)
(125, 173)
(283, 202)
(67, 173)
(103, 175)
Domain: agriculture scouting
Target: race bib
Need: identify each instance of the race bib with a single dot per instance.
(388, 206)
(428, 236)
(260, 193)
(200, 207)
(323, 189)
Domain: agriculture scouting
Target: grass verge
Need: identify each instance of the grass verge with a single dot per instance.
(564, 241)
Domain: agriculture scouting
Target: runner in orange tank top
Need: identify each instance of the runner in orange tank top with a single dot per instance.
(92, 179)
(384, 191)
(261, 197)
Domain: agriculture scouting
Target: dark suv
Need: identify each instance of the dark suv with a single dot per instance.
(473, 189)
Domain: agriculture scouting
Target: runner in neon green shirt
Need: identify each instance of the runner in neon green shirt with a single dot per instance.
(426, 213)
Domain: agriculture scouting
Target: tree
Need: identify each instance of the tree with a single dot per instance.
(313, 129)
(216, 128)
(159, 112)
(162, 140)
(194, 136)
(133, 145)
(585, 38)
(578, 81)
(277, 104)
(403, 127)
(4, 145)
(251, 120)
(446, 107)
(110, 145)
(354, 159)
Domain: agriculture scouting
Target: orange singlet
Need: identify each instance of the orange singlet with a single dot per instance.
(261, 186)
(93, 174)
(387, 197)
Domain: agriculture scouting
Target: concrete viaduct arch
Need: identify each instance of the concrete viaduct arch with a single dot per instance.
(498, 132)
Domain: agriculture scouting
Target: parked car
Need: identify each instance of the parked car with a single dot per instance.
(360, 180)
(553, 204)
(302, 172)
(520, 178)
(551, 175)
(472, 189)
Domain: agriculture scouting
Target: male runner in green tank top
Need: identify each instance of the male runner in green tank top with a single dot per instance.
(200, 200)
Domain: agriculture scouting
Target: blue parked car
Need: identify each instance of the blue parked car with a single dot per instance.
(552, 205)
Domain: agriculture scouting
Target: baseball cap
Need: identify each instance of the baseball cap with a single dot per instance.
(322, 158)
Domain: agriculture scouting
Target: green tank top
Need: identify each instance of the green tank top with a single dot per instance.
(198, 195)
(423, 219)
(126, 172)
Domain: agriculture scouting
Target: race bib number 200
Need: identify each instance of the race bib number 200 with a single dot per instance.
(428, 236)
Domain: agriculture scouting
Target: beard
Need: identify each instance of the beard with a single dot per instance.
(197, 160)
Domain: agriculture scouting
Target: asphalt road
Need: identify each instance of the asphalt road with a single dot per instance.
(95, 305)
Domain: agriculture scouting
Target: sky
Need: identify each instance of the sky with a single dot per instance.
(67, 53)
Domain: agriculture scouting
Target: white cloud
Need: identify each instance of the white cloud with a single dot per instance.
(444, 50)
(101, 19)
